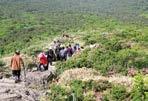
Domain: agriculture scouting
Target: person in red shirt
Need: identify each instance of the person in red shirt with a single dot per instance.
(42, 61)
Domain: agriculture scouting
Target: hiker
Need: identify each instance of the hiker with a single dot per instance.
(56, 44)
(42, 61)
(50, 56)
(69, 51)
(77, 46)
(62, 54)
(74, 49)
(57, 52)
(16, 64)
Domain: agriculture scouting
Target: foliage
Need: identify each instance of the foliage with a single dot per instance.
(58, 93)
(80, 90)
(138, 91)
(119, 93)
(116, 93)
(33, 21)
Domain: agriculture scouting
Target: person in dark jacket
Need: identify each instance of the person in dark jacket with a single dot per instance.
(57, 52)
(69, 51)
(50, 56)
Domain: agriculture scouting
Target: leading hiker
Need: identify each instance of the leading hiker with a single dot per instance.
(16, 64)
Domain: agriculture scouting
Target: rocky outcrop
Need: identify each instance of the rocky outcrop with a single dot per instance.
(39, 80)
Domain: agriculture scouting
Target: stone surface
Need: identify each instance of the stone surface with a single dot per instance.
(38, 79)
(23, 91)
(11, 91)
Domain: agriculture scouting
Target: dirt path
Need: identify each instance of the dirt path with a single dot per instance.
(10, 91)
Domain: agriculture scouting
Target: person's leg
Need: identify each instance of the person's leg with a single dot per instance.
(14, 72)
(19, 74)
(42, 67)
(50, 61)
(62, 58)
(58, 56)
(45, 67)
(39, 67)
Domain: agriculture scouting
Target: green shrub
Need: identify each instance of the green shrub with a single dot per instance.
(138, 90)
(118, 93)
(58, 93)
(77, 88)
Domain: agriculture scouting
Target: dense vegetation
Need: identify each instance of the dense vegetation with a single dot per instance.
(120, 47)
(27, 22)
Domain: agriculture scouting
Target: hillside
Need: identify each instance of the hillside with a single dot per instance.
(40, 19)
(111, 66)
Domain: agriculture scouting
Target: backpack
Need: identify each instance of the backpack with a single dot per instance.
(43, 59)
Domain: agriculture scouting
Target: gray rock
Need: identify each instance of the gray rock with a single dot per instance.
(38, 79)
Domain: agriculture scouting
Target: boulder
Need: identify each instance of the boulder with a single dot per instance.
(38, 79)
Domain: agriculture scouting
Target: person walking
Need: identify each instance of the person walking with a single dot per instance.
(50, 56)
(43, 62)
(63, 54)
(69, 52)
(16, 64)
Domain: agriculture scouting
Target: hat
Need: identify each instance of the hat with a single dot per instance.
(17, 51)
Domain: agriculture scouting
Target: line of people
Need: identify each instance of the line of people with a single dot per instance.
(56, 53)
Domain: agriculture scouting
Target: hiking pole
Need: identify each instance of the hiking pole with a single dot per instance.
(24, 71)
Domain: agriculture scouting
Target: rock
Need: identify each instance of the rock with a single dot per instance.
(27, 93)
(7, 75)
(9, 97)
(7, 90)
(38, 79)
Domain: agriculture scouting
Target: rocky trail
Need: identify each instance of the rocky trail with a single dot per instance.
(29, 89)
(10, 91)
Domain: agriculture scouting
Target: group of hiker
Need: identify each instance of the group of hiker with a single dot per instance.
(56, 53)
(45, 58)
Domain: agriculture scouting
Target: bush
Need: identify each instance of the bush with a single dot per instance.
(2, 63)
(58, 93)
(118, 93)
(138, 91)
